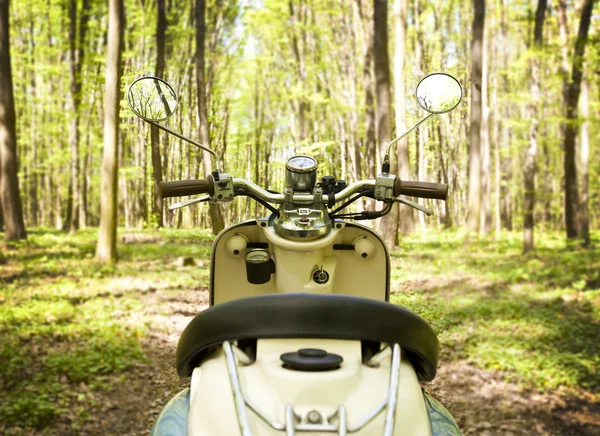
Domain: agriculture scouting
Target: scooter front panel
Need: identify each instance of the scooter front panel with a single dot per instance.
(346, 263)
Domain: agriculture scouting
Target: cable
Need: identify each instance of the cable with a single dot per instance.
(368, 192)
(240, 191)
(368, 214)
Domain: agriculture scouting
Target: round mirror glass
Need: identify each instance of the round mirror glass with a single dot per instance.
(438, 93)
(152, 98)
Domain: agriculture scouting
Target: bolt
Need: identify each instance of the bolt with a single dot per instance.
(314, 417)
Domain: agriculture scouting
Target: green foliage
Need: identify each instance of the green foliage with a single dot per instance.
(536, 318)
(68, 326)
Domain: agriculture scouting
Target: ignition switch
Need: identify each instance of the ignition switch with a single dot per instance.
(321, 276)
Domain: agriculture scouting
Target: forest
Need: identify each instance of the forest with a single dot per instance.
(258, 81)
(315, 80)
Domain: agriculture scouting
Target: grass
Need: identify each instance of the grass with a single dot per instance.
(67, 325)
(70, 328)
(535, 317)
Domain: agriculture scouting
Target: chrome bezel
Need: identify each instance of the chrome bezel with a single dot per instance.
(266, 255)
(296, 170)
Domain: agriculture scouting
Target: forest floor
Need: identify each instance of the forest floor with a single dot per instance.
(90, 350)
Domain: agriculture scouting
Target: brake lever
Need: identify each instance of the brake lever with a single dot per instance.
(187, 203)
(417, 206)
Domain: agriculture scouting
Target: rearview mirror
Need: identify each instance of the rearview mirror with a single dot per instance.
(152, 98)
(438, 93)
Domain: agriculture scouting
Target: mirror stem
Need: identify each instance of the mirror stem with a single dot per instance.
(191, 141)
(386, 159)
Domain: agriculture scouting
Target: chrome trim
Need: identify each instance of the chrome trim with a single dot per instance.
(238, 397)
(188, 202)
(376, 359)
(254, 408)
(290, 427)
(372, 415)
(343, 421)
(191, 141)
(395, 140)
(390, 416)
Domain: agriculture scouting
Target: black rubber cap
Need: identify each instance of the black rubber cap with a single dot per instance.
(311, 359)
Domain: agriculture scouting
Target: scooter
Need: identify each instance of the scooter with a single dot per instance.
(300, 336)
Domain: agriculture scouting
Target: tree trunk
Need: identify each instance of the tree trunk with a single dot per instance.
(216, 216)
(474, 189)
(573, 89)
(370, 146)
(296, 16)
(400, 8)
(157, 204)
(485, 222)
(529, 169)
(106, 250)
(584, 155)
(76, 52)
(10, 196)
(388, 225)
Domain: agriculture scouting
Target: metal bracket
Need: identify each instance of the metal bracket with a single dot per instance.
(384, 186)
(223, 188)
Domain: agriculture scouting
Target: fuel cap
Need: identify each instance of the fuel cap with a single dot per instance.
(311, 359)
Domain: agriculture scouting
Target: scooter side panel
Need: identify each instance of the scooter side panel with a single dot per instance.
(172, 420)
(442, 423)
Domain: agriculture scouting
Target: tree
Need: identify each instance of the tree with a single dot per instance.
(571, 98)
(529, 169)
(161, 25)
(76, 52)
(388, 226)
(474, 189)
(10, 196)
(585, 157)
(216, 216)
(106, 249)
(400, 10)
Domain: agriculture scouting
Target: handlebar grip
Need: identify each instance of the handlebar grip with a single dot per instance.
(421, 189)
(186, 187)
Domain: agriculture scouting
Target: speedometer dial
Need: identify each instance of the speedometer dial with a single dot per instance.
(301, 164)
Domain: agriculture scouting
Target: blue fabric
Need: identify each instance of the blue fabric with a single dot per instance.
(172, 420)
(442, 423)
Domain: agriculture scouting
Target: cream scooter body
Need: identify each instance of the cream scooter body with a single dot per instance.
(364, 272)
(300, 336)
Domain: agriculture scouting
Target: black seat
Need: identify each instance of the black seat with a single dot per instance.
(309, 316)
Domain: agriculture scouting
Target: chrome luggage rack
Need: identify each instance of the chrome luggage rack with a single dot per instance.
(291, 425)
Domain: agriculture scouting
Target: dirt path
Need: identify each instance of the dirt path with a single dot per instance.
(481, 401)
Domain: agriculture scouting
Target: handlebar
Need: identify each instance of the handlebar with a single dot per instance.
(267, 196)
(421, 189)
(207, 186)
(187, 187)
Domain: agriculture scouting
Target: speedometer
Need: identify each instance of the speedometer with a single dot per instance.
(301, 164)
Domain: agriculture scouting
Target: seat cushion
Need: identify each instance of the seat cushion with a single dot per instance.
(309, 316)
